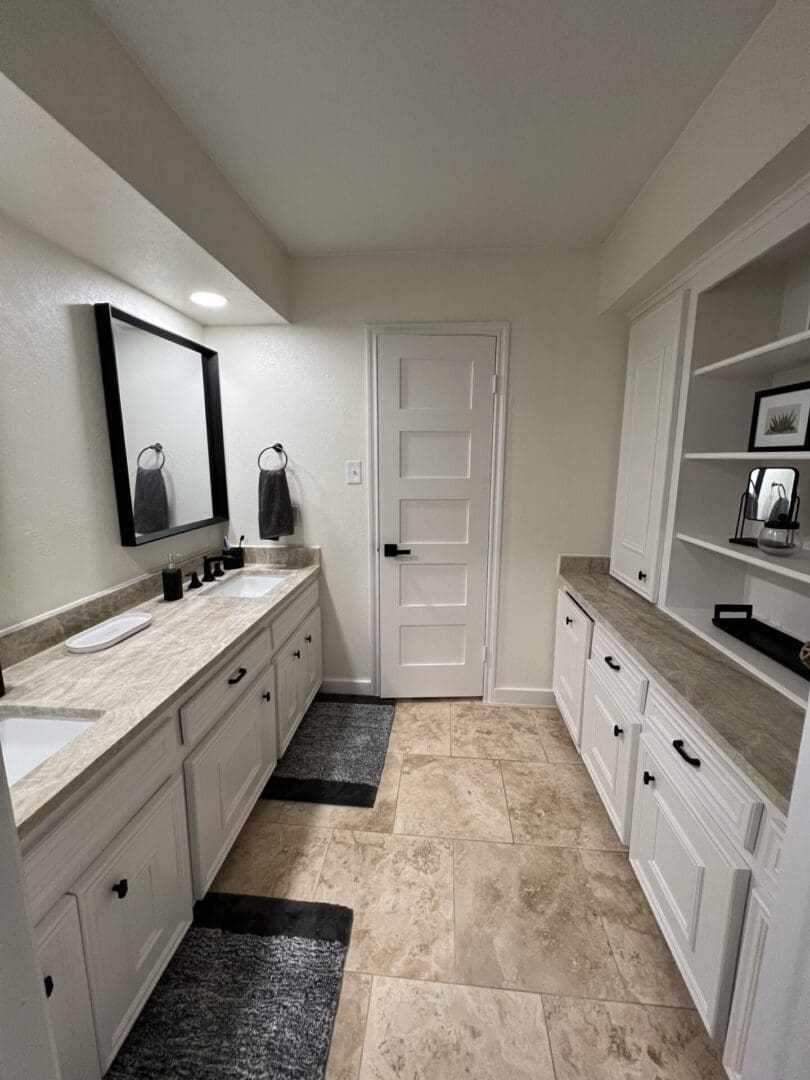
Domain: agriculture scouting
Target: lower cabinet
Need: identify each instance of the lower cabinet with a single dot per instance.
(755, 935)
(61, 955)
(225, 775)
(696, 883)
(572, 646)
(135, 905)
(610, 735)
(298, 676)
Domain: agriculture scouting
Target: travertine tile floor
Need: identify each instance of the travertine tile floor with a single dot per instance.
(499, 932)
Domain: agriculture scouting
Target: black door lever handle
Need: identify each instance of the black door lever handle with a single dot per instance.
(390, 550)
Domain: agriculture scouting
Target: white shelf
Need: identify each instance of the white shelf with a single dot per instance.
(764, 457)
(795, 566)
(770, 359)
(762, 667)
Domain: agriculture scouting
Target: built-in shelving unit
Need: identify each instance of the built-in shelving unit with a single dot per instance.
(750, 331)
(780, 355)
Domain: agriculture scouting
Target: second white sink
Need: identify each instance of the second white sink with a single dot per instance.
(249, 585)
(27, 741)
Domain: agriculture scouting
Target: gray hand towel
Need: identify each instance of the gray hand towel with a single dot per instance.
(150, 506)
(275, 508)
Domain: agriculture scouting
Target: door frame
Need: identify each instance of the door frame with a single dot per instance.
(499, 331)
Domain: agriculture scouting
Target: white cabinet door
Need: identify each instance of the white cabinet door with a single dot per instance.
(313, 662)
(290, 668)
(755, 936)
(649, 404)
(135, 905)
(61, 955)
(572, 646)
(610, 736)
(695, 881)
(224, 777)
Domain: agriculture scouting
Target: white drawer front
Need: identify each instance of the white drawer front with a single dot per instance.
(291, 619)
(572, 645)
(610, 735)
(623, 675)
(696, 884)
(61, 954)
(135, 905)
(735, 804)
(201, 712)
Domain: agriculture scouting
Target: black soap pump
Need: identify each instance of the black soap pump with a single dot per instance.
(173, 580)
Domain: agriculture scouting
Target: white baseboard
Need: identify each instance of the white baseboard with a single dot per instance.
(346, 686)
(524, 695)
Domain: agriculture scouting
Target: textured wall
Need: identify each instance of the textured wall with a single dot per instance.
(305, 385)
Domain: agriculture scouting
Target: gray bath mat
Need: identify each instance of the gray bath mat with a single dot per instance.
(251, 994)
(337, 754)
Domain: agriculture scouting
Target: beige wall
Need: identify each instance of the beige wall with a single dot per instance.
(305, 385)
(59, 537)
(757, 110)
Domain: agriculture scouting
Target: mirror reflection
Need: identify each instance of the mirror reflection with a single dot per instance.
(770, 494)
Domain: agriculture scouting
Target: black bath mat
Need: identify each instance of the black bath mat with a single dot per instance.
(251, 994)
(337, 754)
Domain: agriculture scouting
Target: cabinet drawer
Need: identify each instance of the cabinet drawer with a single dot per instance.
(623, 675)
(572, 644)
(224, 777)
(696, 883)
(292, 618)
(610, 734)
(135, 905)
(201, 712)
(61, 955)
(735, 805)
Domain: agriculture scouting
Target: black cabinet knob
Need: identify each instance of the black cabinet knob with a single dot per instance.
(267, 695)
(48, 986)
(568, 620)
(121, 889)
(297, 654)
(308, 638)
(234, 679)
(617, 731)
(642, 575)
(648, 778)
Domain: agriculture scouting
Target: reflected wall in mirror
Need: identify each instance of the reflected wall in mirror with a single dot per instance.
(770, 494)
(165, 425)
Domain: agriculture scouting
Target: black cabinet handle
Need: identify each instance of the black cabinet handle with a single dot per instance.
(234, 679)
(642, 576)
(694, 761)
(267, 695)
(648, 778)
(308, 638)
(617, 731)
(297, 654)
(121, 889)
(392, 550)
(48, 986)
(611, 663)
(568, 620)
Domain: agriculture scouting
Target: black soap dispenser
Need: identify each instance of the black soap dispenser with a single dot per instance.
(173, 580)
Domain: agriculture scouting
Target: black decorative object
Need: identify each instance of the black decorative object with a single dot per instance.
(781, 419)
(107, 317)
(770, 494)
(738, 620)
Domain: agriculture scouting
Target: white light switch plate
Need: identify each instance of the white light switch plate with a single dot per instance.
(354, 472)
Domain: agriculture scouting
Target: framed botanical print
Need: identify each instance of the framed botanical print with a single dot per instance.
(781, 419)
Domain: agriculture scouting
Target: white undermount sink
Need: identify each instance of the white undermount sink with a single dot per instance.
(27, 741)
(249, 585)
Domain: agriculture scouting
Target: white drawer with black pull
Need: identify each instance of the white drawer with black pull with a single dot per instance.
(623, 675)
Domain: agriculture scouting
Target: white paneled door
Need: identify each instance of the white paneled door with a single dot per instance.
(435, 422)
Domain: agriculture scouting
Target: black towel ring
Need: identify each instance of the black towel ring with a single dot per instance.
(279, 449)
(158, 450)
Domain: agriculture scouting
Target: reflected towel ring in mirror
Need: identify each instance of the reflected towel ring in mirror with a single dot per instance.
(279, 449)
(158, 448)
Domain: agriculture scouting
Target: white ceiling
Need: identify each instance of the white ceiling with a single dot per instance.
(364, 125)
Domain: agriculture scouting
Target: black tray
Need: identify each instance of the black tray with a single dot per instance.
(765, 639)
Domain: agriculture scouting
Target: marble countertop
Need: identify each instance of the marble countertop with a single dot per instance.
(128, 686)
(757, 727)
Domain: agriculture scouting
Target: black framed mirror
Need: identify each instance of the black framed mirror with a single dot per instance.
(164, 418)
(770, 494)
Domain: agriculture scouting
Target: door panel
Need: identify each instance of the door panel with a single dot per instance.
(435, 422)
(572, 646)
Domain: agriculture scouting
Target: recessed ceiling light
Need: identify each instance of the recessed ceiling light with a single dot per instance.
(208, 299)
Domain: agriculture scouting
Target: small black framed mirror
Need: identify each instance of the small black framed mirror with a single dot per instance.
(770, 494)
(164, 418)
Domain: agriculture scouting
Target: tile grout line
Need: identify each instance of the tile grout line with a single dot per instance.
(323, 864)
(600, 913)
(506, 802)
(366, 1027)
